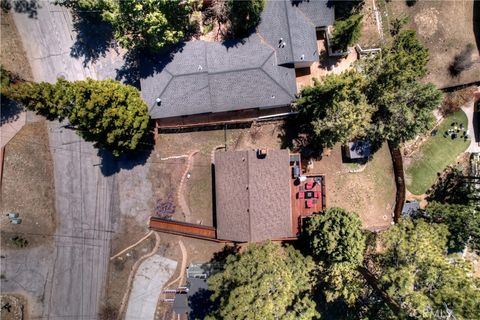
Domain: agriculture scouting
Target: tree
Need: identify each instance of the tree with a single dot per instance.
(107, 112)
(335, 110)
(337, 245)
(266, 281)
(405, 112)
(462, 221)
(403, 105)
(415, 271)
(52, 101)
(147, 24)
(244, 15)
(402, 62)
(346, 32)
(335, 236)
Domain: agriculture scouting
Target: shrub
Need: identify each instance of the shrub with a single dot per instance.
(453, 101)
(346, 32)
(462, 61)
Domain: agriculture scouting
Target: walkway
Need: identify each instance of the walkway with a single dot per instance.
(473, 129)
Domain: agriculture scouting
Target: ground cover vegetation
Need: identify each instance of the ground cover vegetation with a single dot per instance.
(110, 114)
(340, 273)
(437, 152)
(390, 102)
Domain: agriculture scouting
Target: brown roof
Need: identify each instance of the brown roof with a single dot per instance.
(253, 195)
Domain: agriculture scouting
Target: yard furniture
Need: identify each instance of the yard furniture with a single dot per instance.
(309, 194)
(309, 203)
(309, 185)
(316, 194)
(301, 195)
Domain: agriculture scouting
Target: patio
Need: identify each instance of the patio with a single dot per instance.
(307, 194)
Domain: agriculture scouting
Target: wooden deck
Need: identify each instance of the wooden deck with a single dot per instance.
(299, 208)
(183, 229)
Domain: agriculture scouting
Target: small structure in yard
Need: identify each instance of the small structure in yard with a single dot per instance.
(410, 208)
(191, 300)
(358, 151)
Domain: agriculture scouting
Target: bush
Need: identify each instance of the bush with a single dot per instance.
(244, 15)
(453, 101)
(462, 61)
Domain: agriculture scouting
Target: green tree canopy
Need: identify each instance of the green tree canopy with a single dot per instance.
(346, 32)
(462, 221)
(52, 101)
(266, 281)
(405, 112)
(335, 110)
(403, 105)
(244, 15)
(335, 236)
(416, 272)
(107, 112)
(147, 24)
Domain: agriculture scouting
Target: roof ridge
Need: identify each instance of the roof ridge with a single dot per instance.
(250, 232)
(288, 27)
(164, 88)
(278, 84)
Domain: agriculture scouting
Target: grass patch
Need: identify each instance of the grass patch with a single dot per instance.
(435, 155)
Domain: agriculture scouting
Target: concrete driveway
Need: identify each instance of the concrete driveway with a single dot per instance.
(70, 281)
(473, 129)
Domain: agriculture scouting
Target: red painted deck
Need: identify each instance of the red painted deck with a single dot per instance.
(299, 208)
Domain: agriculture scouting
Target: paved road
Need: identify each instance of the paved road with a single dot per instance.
(473, 129)
(86, 201)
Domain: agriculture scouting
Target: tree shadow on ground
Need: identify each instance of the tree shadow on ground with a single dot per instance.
(200, 304)
(10, 110)
(345, 8)
(451, 187)
(294, 136)
(94, 37)
(111, 165)
(29, 7)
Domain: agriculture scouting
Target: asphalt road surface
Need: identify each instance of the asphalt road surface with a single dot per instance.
(85, 199)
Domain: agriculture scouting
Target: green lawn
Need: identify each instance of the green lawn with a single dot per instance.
(435, 155)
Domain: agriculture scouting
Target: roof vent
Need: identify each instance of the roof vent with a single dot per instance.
(200, 68)
(158, 101)
(273, 96)
(302, 57)
(261, 153)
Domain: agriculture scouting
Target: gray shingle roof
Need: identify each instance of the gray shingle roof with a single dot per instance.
(253, 195)
(205, 77)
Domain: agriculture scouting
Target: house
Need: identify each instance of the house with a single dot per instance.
(259, 195)
(236, 81)
(258, 198)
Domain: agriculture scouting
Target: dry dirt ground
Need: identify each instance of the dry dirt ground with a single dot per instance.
(370, 193)
(370, 36)
(27, 187)
(17, 306)
(12, 55)
(446, 28)
(374, 203)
